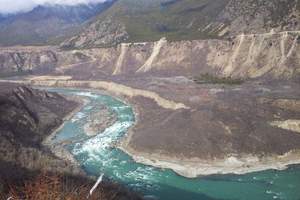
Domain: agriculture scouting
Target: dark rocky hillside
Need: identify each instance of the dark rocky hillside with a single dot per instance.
(27, 117)
(16, 62)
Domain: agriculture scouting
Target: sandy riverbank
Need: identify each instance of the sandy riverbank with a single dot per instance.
(194, 167)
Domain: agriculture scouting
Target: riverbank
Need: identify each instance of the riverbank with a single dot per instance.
(193, 168)
(81, 103)
(58, 150)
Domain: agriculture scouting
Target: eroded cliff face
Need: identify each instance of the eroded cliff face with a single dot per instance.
(274, 55)
(24, 60)
(268, 55)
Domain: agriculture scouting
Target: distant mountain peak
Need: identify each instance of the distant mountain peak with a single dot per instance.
(47, 24)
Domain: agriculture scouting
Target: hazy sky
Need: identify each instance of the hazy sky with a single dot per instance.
(13, 6)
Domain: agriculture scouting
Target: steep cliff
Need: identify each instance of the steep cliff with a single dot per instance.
(268, 55)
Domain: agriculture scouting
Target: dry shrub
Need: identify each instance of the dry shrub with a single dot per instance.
(54, 187)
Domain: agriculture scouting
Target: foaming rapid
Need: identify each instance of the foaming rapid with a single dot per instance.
(102, 143)
(87, 94)
(98, 155)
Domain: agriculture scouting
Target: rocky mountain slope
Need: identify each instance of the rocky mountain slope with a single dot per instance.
(27, 117)
(143, 20)
(48, 24)
(20, 61)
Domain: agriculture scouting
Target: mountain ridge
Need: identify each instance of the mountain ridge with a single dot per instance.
(144, 21)
(47, 24)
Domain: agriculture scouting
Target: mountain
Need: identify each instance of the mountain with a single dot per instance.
(48, 24)
(2, 18)
(143, 20)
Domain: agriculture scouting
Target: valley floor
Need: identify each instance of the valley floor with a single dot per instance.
(200, 129)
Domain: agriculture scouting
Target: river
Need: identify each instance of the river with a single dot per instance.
(96, 156)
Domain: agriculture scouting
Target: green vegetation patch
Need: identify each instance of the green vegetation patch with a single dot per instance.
(211, 79)
(174, 19)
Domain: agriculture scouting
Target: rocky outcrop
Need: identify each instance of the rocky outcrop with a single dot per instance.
(27, 117)
(26, 60)
(292, 125)
(99, 121)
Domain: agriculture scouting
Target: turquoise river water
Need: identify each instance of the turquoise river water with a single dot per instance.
(96, 156)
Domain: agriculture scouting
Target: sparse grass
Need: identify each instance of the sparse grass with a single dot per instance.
(210, 79)
(176, 20)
